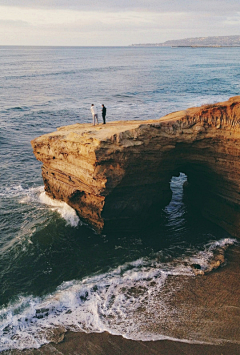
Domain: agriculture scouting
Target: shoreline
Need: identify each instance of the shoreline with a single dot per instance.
(217, 292)
(107, 344)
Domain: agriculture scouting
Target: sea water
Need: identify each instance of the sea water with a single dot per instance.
(55, 271)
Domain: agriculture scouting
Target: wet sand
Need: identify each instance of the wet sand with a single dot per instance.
(208, 308)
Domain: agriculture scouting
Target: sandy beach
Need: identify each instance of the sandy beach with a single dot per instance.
(106, 344)
(208, 305)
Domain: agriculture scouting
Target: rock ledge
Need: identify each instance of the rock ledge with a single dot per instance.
(119, 173)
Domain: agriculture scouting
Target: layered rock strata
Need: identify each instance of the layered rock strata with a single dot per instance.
(119, 173)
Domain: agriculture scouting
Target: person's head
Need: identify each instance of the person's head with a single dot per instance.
(92, 104)
(102, 105)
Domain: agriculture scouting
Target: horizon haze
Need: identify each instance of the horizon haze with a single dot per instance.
(111, 23)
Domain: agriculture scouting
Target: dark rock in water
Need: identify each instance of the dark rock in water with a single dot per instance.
(196, 266)
(215, 262)
(118, 174)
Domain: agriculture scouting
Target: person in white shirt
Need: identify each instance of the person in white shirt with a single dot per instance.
(94, 114)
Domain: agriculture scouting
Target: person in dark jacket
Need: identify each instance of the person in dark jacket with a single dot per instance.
(104, 111)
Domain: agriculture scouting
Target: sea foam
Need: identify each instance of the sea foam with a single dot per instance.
(65, 211)
(35, 195)
(124, 301)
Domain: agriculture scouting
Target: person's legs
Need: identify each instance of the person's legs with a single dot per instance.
(95, 119)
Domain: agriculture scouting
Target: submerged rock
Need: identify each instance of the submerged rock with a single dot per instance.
(217, 260)
(118, 174)
(56, 335)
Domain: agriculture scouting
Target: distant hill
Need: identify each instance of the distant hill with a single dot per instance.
(215, 41)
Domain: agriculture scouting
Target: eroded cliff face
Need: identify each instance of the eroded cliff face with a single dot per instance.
(119, 173)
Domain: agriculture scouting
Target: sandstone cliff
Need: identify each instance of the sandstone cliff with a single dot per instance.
(119, 173)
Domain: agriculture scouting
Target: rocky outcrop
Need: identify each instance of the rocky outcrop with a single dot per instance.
(217, 260)
(119, 173)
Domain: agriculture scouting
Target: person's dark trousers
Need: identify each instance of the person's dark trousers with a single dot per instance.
(104, 121)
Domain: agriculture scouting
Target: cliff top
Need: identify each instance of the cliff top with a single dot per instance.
(100, 133)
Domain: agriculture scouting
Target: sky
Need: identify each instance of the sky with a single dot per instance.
(114, 22)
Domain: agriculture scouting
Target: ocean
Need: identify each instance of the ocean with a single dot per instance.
(55, 271)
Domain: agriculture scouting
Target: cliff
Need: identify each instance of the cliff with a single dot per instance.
(213, 41)
(118, 174)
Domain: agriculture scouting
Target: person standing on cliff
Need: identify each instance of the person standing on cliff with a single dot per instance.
(94, 114)
(104, 111)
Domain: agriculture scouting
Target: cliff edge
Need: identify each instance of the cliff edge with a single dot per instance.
(118, 174)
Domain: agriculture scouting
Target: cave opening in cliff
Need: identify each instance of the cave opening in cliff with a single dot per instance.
(175, 210)
(177, 185)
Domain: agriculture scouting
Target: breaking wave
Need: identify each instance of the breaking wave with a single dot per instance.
(117, 301)
(65, 211)
(36, 195)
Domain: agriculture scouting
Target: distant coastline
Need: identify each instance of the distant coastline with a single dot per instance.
(205, 46)
(198, 42)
